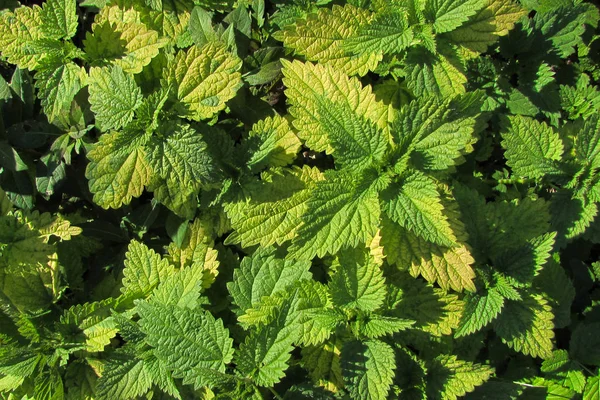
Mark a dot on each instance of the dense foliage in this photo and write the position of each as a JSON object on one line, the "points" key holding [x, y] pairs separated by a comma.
{"points": [[296, 199]]}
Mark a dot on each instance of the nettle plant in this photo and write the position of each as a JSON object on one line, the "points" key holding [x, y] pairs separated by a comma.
{"points": [[299, 199]]}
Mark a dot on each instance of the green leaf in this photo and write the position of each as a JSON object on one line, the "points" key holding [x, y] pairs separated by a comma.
{"points": [[532, 147], [204, 79], [124, 378], [144, 270], [201, 27], [310, 88], [448, 15], [521, 265], [181, 289], [5, 204], [559, 359], [264, 274], [322, 36], [179, 154], [387, 33], [434, 310], [450, 378], [357, 282], [57, 87], [415, 204], [480, 310], [378, 325], [10, 158], [587, 142], [343, 211], [118, 169], [263, 356], [583, 346], [357, 142], [183, 201], [560, 296], [527, 326], [563, 27], [436, 134], [191, 343], [368, 369], [592, 388], [59, 19], [114, 97], [272, 212]]}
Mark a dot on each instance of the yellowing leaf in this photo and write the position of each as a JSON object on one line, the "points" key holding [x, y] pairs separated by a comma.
{"points": [[130, 45], [273, 211], [19, 31], [278, 145], [450, 267], [307, 87], [205, 78], [321, 38], [117, 171], [485, 28]]}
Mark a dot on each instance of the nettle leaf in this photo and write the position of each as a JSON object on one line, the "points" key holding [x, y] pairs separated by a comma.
{"points": [[441, 75], [264, 274], [263, 356], [450, 378], [204, 79], [129, 45], [118, 168], [179, 153], [322, 36], [358, 143], [59, 19], [532, 147], [527, 326], [278, 145], [323, 364], [357, 281], [436, 134], [343, 211], [450, 267], [592, 388], [480, 310], [368, 368], [448, 15], [587, 142], [386, 33], [124, 377], [379, 325], [183, 288], [310, 88], [114, 97], [20, 30], [272, 212], [191, 343], [484, 28], [144, 270], [414, 203], [434, 310], [58, 86]]}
